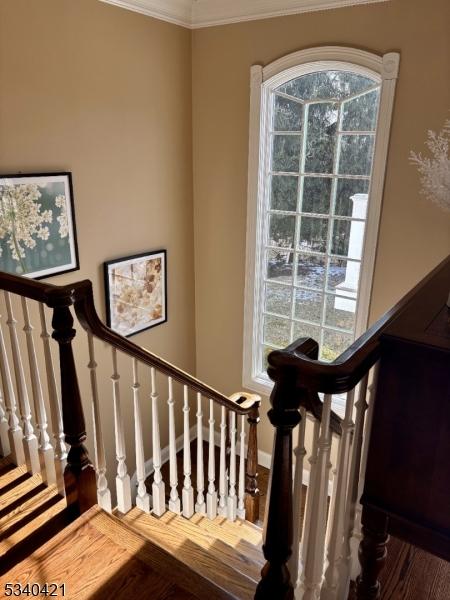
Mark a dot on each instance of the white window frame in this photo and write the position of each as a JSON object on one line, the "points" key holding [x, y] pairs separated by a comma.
{"points": [[263, 80]]}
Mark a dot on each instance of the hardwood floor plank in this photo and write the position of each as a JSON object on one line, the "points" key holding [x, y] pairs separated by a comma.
{"points": [[40, 494], [34, 540], [179, 594], [232, 533], [25, 524], [159, 559], [228, 554], [203, 563], [9, 477], [413, 574], [92, 565], [20, 499], [5, 461]]}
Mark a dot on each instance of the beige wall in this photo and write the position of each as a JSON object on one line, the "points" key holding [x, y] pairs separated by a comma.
{"points": [[414, 235], [106, 94]]}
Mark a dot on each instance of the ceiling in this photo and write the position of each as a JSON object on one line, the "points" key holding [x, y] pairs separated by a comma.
{"points": [[206, 13]]}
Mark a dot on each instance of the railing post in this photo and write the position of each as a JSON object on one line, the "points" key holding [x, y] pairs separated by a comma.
{"points": [[79, 474], [372, 553], [251, 475], [278, 532]]}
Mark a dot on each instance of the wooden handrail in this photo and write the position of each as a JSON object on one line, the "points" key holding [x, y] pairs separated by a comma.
{"points": [[347, 370], [79, 475], [299, 377], [89, 319], [81, 296], [309, 399]]}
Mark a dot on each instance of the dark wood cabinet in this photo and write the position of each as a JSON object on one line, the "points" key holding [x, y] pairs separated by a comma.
{"points": [[407, 481]]}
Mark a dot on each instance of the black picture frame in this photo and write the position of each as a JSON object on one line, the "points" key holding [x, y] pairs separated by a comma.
{"points": [[136, 292], [47, 210]]}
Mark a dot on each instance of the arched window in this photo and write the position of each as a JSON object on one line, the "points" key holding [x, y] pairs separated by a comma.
{"points": [[319, 129]]}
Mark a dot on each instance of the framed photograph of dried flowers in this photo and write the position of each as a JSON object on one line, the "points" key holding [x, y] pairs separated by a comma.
{"points": [[136, 292], [37, 225]]}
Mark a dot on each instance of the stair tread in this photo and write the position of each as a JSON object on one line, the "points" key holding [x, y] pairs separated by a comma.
{"points": [[18, 488], [6, 478], [185, 549], [25, 519], [226, 553], [5, 461], [231, 532], [98, 556], [23, 499]]}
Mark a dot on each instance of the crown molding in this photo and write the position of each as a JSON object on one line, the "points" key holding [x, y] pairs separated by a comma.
{"points": [[178, 12], [206, 13], [195, 14]]}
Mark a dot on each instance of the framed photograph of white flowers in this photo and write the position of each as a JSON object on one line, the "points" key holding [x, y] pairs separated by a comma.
{"points": [[136, 292], [37, 225]]}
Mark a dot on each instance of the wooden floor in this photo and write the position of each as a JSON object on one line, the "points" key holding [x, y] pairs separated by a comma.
{"points": [[97, 558], [102, 556], [413, 574], [409, 574], [30, 513], [223, 558]]}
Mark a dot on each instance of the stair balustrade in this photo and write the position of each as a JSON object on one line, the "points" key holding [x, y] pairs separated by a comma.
{"points": [[313, 514], [311, 546], [45, 427]]}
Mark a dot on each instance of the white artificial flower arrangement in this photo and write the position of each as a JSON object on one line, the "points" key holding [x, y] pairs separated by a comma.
{"points": [[435, 171]]}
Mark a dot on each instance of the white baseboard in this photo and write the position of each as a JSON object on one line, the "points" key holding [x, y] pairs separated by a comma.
{"points": [[264, 458]]}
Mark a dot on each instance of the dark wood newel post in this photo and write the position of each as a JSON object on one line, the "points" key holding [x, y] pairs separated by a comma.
{"points": [[284, 416], [372, 553], [79, 474], [251, 474]]}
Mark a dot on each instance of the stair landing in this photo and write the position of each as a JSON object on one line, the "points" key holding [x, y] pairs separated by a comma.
{"points": [[99, 558], [102, 556]]}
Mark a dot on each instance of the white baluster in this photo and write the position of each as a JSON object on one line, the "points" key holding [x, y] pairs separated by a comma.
{"points": [[309, 505], [30, 441], [352, 493], [211, 496], [232, 497], [200, 505], [315, 551], [142, 497], [158, 487], [300, 453], [222, 466], [5, 448], [188, 492], [15, 434], [357, 533], [45, 449], [241, 488], [337, 511], [60, 451], [103, 493], [123, 486], [174, 500]]}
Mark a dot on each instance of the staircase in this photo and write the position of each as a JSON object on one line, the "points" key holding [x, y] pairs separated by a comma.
{"points": [[221, 556], [172, 533], [30, 512], [191, 559]]}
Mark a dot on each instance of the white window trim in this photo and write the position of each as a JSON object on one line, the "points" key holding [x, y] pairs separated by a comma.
{"points": [[383, 69]]}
